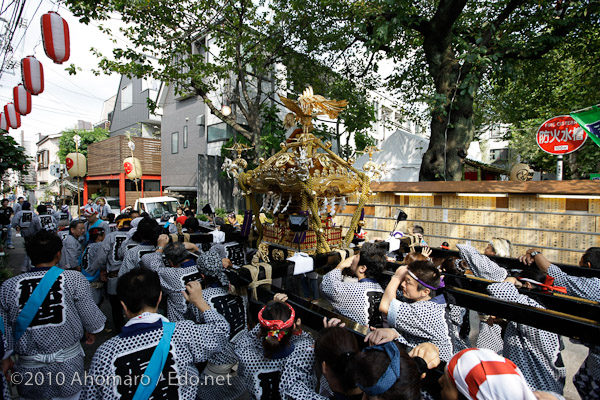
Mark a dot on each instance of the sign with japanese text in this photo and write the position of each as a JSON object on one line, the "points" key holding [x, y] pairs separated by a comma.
{"points": [[589, 120], [560, 135]]}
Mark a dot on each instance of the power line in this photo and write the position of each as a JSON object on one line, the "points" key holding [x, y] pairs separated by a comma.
{"points": [[49, 109], [13, 25], [7, 7], [89, 94], [26, 28]]}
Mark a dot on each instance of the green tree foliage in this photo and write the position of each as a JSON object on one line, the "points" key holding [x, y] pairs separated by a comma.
{"points": [[240, 52], [12, 156], [445, 52], [66, 144], [272, 131], [563, 80]]}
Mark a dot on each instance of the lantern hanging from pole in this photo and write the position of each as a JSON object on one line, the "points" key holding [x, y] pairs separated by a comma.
{"points": [[33, 75], [13, 118], [133, 168], [55, 33], [3, 123], [22, 99], [76, 164]]}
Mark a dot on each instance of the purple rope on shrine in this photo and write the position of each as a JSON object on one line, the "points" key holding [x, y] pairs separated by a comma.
{"points": [[300, 236], [247, 224]]}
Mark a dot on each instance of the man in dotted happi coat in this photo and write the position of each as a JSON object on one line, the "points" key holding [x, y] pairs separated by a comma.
{"points": [[358, 300], [129, 355], [49, 346]]}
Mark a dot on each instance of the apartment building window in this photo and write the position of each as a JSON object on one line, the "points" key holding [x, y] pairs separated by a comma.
{"points": [[219, 132], [42, 159], [174, 142], [499, 155], [185, 137], [151, 186], [130, 186], [127, 97]]}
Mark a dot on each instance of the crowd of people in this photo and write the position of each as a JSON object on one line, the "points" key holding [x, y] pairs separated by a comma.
{"points": [[181, 330]]}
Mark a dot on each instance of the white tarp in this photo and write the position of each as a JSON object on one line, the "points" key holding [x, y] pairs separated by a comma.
{"points": [[402, 152]]}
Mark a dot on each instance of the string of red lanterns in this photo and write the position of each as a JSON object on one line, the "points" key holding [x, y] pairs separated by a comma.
{"points": [[56, 40]]}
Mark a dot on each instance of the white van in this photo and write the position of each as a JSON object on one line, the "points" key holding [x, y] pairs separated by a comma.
{"points": [[156, 207]]}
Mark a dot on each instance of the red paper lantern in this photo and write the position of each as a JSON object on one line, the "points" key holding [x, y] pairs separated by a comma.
{"points": [[13, 118], [55, 33], [32, 73], [3, 123], [22, 99]]}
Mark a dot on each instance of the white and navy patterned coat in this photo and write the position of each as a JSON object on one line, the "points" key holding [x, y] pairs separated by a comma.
{"points": [[46, 222], [71, 251], [234, 309], [65, 314], [535, 351], [128, 354], [126, 245], [455, 317], [587, 379], [133, 256], [422, 321], [490, 336], [358, 301], [288, 375], [108, 255], [481, 266]]}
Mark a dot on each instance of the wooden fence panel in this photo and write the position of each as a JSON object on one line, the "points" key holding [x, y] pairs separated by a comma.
{"points": [[106, 157]]}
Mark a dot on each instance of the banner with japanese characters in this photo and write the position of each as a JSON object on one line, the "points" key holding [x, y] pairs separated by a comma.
{"points": [[589, 120]]}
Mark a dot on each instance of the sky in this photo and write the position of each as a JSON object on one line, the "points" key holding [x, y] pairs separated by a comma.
{"points": [[66, 98]]}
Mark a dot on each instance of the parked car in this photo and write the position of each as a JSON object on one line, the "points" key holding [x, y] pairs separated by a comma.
{"points": [[156, 207], [114, 204]]}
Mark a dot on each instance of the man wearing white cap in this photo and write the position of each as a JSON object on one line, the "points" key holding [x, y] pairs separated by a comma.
{"points": [[91, 215]]}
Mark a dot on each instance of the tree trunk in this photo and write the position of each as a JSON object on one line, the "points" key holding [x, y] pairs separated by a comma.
{"points": [[451, 118], [449, 142]]}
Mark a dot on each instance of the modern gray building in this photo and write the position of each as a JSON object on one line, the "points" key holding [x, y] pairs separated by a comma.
{"points": [[191, 135], [131, 112]]}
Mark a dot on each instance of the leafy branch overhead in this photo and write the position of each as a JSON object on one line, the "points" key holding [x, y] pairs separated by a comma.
{"points": [[12, 156], [233, 52], [66, 144], [448, 53], [450, 57]]}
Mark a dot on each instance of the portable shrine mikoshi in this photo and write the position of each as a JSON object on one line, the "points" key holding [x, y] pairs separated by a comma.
{"points": [[304, 178]]}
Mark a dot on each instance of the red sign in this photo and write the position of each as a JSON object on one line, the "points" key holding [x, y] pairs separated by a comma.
{"points": [[560, 135]]}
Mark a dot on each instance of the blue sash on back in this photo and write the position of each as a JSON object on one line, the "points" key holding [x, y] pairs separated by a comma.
{"points": [[34, 302], [2, 325], [157, 363], [88, 276], [87, 233]]}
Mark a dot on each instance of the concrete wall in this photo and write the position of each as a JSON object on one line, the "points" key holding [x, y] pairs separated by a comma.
{"points": [[132, 117], [180, 169]]}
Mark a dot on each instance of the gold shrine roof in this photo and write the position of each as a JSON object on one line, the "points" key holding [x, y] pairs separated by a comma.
{"points": [[305, 160]]}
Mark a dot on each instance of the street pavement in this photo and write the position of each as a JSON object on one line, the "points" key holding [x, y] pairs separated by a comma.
{"points": [[573, 354]]}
